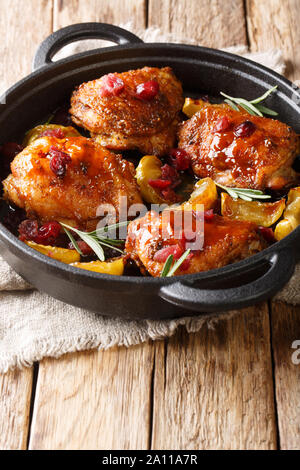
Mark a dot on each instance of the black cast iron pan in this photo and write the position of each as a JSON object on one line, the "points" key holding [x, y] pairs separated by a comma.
{"points": [[202, 71]]}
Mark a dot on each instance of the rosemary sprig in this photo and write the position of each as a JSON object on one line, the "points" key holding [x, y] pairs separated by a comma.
{"points": [[94, 240], [169, 271], [89, 240], [244, 193], [167, 266], [108, 228], [253, 107], [73, 241]]}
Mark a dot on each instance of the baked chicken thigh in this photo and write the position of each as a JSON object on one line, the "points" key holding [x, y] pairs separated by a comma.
{"points": [[237, 149], [67, 179], [153, 238], [138, 109]]}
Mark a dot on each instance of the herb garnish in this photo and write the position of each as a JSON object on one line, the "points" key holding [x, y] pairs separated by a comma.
{"points": [[72, 239], [167, 270], [244, 193], [252, 107], [94, 239]]}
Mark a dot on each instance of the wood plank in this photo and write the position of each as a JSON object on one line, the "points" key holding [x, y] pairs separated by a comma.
{"points": [[68, 12], [275, 24], [21, 32], [286, 347], [15, 394], [213, 389], [94, 400], [209, 23]]}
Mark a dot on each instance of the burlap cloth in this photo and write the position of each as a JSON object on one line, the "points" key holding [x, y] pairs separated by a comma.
{"points": [[34, 325]]}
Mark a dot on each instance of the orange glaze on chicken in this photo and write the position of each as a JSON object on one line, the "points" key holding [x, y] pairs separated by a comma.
{"points": [[92, 176], [124, 122], [258, 161], [225, 241]]}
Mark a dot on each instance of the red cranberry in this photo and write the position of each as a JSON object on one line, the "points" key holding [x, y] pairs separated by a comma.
{"points": [[147, 91], [209, 215], [159, 183], [222, 124], [169, 179], [162, 255], [169, 173], [59, 161], [179, 159], [111, 85], [28, 230], [48, 233], [267, 233], [245, 129], [85, 249], [169, 195], [58, 133], [187, 236]]}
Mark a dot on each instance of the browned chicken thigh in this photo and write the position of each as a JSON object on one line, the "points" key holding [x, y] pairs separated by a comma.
{"points": [[138, 109], [153, 238], [237, 149], [67, 179]]}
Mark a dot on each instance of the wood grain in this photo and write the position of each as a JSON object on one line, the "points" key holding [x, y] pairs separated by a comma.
{"points": [[213, 23], [21, 32], [113, 11], [286, 350], [95, 400], [15, 393], [23, 24], [275, 23], [213, 389]]}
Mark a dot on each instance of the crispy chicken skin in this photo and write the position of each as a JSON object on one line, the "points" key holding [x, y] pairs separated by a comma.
{"points": [[261, 160], [93, 176], [225, 241], [125, 122]]}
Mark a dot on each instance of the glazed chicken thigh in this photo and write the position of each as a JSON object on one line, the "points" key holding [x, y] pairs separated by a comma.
{"points": [[224, 241], [138, 109], [67, 179], [237, 149]]}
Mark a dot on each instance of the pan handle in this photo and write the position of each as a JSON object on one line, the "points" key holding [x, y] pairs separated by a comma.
{"points": [[53, 43], [184, 294]]}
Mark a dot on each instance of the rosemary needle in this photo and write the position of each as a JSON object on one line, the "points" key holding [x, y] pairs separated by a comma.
{"points": [[167, 270], [253, 107], [244, 193]]}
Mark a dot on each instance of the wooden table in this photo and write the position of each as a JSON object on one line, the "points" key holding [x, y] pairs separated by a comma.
{"points": [[233, 387]]}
